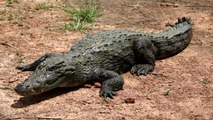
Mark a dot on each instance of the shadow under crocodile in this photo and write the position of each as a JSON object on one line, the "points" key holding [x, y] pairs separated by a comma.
{"points": [[30, 100]]}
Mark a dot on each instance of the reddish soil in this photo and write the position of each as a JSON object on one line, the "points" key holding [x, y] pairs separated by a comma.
{"points": [[188, 76]]}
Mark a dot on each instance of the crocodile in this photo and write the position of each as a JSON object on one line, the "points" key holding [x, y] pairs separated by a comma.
{"points": [[103, 57]]}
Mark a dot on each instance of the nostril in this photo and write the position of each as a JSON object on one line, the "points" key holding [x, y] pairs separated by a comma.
{"points": [[24, 85], [27, 85], [23, 89]]}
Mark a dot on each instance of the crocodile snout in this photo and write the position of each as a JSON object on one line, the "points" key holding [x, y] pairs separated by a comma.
{"points": [[23, 88]]}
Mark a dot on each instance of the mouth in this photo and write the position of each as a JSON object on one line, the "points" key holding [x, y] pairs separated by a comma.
{"points": [[33, 88], [26, 90]]}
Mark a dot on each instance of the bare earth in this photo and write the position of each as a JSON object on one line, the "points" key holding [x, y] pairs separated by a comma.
{"points": [[188, 75]]}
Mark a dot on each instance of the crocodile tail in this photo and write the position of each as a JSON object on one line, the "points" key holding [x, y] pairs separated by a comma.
{"points": [[174, 40]]}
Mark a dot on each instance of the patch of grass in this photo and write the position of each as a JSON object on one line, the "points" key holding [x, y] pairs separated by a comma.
{"points": [[20, 56], [78, 25], [18, 52], [205, 81], [166, 91], [87, 14], [148, 93], [65, 26], [74, 25], [22, 18], [10, 2], [157, 74], [3, 15], [83, 16], [44, 6], [107, 100], [10, 17], [7, 14]]}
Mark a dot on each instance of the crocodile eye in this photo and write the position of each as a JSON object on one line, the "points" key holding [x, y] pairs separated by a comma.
{"points": [[57, 66]]}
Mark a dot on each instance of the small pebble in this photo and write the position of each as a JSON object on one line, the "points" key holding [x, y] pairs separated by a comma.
{"points": [[97, 85], [129, 100]]}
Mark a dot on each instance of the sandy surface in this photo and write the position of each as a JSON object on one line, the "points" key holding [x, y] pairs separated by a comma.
{"points": [[188, 75]]}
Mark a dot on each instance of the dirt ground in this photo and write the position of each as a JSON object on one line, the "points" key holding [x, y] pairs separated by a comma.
{"points": [[26, 34]]}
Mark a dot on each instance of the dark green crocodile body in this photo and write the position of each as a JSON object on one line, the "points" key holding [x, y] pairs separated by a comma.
{"points": [[103, 56]]}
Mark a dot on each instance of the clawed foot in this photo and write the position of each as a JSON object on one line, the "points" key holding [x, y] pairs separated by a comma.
{"points": [[142, 69], [107, 93]]}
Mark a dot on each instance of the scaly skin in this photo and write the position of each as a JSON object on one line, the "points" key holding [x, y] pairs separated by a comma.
{"points": [[103, 56]]}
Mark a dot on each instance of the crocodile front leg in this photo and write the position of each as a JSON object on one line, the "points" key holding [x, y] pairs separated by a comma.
{"points": [[145, 57], [110, 80], [32, 66]]}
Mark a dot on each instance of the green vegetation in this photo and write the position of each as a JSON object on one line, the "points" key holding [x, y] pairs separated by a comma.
{"points": [[166, 91], [5, 15], [44, 6], [205, 81], [83, 16], [148, 93], [20, 57], [10, 17], [107, 100], [157, 74], [74, 25], [10, 2], [2, 15]]}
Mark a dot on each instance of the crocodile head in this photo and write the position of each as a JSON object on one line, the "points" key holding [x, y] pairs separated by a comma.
{"points": [[49, 74]]}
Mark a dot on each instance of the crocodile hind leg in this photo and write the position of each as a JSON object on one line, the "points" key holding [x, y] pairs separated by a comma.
{"points": [[110, 82], [32, 66], [145, 57]]}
